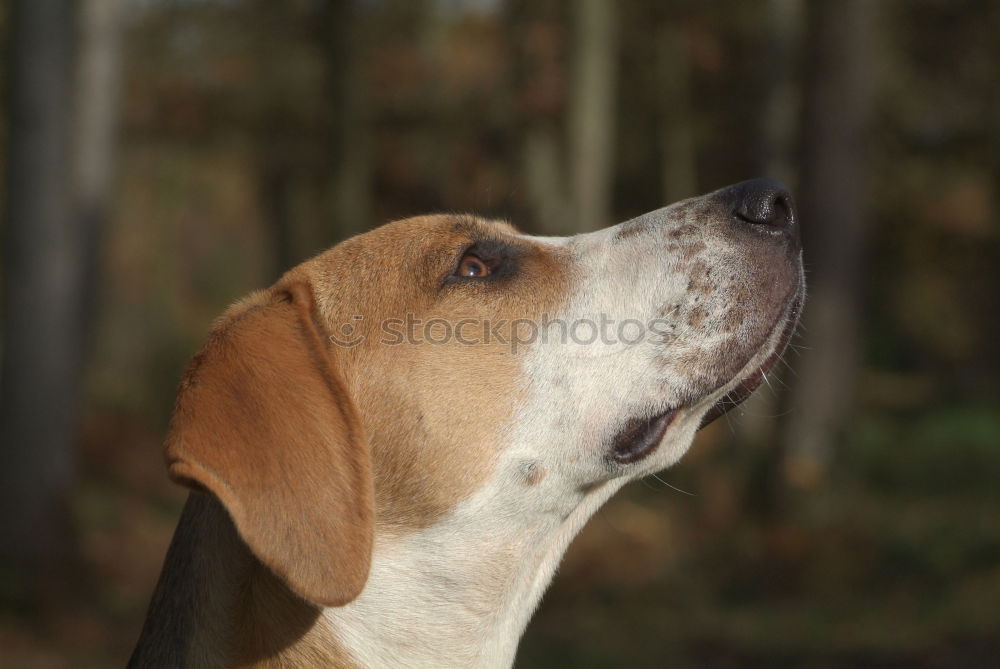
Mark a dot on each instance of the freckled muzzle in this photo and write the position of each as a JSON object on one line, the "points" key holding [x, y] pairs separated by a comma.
{"points": [[763, 217], [738, 253]]}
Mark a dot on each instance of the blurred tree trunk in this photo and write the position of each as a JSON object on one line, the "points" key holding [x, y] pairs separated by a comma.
{"points": [[592, 112], [546, 182], [274, 184], [95, 123], [274, 139], [539, 93], [779, 130], [842, 41], [568, 175], [43, 268], [757, 426], [351, 135], [329, 159], [680, 158]]}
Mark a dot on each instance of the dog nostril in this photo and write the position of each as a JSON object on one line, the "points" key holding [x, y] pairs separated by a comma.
{"points": [[774, 211], [765, 203]]}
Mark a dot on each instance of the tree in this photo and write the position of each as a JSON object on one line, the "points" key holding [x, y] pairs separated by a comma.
{"points": [[680, 178], [59, 172], [757, 430], [350, 120], [538, 88], [568, 177], [837, 108], [94, 130], [43, 269], [592, 112]]}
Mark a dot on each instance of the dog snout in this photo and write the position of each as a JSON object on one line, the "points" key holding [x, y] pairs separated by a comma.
{"points": [[763, 205]]}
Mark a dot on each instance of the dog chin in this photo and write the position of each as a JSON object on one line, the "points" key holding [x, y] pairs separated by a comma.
{"points": [[641, 436], [749, 382]]}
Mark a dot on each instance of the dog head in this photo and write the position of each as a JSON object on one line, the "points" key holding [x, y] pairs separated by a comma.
{"points": [[447, 367]]}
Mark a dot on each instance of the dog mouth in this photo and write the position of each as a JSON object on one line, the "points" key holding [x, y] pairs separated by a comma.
{"points": [[639, 437], [748, 384]]}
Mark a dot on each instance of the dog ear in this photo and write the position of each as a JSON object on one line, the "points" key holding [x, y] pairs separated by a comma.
{"points": [[263, 422]]}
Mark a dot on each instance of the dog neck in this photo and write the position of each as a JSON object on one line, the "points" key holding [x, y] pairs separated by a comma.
{"points": [[461, 592], [437, 597]]}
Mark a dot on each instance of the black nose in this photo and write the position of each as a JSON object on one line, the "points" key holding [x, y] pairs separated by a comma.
{"points": [[765, 205]]}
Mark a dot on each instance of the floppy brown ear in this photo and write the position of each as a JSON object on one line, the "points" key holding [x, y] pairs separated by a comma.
{"points": [[263, 422]]}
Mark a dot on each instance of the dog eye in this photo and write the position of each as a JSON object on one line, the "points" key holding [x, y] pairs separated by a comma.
{"points": [[472, 266]]}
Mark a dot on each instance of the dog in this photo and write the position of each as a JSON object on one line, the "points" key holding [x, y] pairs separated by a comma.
{"points": [[390, 449]]}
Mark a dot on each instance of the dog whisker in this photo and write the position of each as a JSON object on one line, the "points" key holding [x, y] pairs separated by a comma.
{"points": [[673, 487]]}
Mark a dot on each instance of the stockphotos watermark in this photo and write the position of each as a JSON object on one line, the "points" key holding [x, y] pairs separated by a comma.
{"points": [[515, 333]]}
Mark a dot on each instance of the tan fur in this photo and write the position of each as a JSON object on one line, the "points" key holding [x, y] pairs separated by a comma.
{"points": [[433, 413]]}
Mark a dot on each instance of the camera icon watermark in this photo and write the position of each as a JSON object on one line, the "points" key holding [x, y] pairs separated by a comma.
{"points": [[347, 335]]}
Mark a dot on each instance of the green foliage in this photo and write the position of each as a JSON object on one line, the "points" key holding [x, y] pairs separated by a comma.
{"points": [[949, 450]]}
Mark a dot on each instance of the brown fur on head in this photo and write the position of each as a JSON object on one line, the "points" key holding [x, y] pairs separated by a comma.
{"points": [[434, 413]]}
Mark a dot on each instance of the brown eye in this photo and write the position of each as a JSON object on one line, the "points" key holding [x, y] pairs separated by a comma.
{"points": [[472, 267]]}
